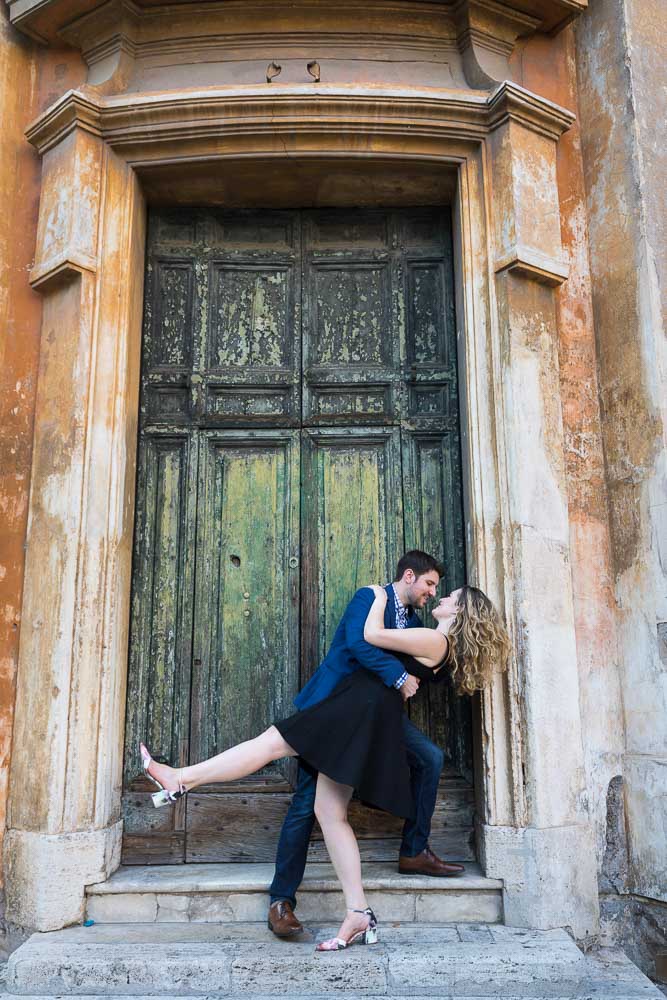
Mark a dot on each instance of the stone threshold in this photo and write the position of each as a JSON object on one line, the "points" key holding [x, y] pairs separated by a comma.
{"points": [[257, 878], [239, 892]]}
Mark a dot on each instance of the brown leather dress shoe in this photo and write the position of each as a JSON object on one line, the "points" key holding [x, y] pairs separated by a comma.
{"points": [[428, 863], [282, 921]]}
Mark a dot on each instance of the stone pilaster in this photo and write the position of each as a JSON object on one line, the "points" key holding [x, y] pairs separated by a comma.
{"points": [[547, 856], [66, 764]]}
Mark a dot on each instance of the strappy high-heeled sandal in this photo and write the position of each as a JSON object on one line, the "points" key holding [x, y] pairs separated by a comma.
{"points": [[367, 936], [164, 797]]}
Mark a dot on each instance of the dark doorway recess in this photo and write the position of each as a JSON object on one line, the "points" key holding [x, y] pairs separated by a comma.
{"points": [[299, 429]]}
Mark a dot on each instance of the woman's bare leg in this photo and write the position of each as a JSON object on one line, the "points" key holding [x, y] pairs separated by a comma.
{"points": [[237, 762], [331, 802]]}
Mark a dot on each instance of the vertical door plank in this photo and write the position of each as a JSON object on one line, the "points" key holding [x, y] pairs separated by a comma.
{"points": [[161, 629], [431, 444], [351, 524], [245, 658], [433, 523]]}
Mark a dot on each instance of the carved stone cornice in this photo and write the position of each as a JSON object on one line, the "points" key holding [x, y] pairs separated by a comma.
{"points": [[485, 29], [512, 102], [487, 32], [141, 127]]}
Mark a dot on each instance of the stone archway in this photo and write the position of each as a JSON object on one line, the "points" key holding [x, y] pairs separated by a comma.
{"points": [[66, 766]]}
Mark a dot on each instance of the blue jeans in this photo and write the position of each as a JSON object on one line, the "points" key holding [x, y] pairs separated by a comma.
{"points": [[425, 760]]}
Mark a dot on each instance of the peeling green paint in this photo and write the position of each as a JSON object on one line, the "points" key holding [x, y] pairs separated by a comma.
{"points": [[299, 429]]}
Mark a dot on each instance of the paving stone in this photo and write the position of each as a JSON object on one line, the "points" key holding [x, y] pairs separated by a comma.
{"points": [[471, 969], [475, 934], [330, 906], [362, 970], [171, 907], [118, 969], [208, 907], [530, 938], [207, 961], [131, 907], [456, 907]]}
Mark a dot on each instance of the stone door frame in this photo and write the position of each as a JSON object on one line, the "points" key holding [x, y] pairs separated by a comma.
{"points": [[64, 808]]}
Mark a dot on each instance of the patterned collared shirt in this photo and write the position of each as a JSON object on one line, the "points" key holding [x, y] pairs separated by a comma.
{"points": [[401, 611], [401, 622]]}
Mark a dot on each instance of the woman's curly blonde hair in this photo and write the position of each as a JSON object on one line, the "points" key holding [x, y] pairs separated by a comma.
{"points": [[478, 642]]}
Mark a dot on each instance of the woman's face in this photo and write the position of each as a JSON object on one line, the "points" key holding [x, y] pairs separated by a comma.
{"points": [[447, 606]]}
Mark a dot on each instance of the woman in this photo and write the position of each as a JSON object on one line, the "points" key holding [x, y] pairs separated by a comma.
{"points": [[353, 738]]}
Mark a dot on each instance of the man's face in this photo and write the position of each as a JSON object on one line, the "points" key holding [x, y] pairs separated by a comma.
{"points": [[420, 588]]}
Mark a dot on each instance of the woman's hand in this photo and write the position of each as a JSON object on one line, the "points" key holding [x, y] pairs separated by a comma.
{"points": [[375, 620]]}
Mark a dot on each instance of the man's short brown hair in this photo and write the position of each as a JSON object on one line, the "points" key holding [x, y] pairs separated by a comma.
{"points": [[419, 562]]}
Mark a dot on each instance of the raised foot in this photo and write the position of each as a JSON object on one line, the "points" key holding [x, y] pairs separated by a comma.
{"points": [[164, 777]]}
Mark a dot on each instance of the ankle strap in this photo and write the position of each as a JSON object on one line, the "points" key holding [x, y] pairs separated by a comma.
{"points": [[367, 910]]}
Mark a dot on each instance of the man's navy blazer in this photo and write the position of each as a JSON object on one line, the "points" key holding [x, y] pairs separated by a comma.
{"points": [[349, 650]]}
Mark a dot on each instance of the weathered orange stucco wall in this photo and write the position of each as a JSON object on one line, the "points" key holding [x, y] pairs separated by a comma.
{"points": [[548, 67], [30, 79], [622, 72], [610, 68]]}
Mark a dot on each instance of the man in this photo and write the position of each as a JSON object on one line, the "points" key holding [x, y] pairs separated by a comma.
{"points": [[416, 579]]}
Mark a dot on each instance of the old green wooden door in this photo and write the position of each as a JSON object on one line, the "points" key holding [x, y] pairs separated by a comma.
{"points": [[299, 429]]}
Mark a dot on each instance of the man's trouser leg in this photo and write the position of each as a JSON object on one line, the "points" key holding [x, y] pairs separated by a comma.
{"points": [[426, 761], [295, 837]]}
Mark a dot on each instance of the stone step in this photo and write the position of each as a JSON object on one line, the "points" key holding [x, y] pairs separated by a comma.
{"points": [[244, 960], [238, 892]]}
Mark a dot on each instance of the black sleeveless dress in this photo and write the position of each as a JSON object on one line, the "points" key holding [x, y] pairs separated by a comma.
{"points": [[355, 737]]}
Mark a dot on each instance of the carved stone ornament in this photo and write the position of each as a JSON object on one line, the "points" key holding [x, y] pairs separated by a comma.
{"points": [[461, 43]]}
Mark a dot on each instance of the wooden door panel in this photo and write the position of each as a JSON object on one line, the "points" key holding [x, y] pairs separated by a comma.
{"points": [[245, 657], [169, 345], [351, 525], [350, 302], [251, 362], [161, 625], [429, 337], [339, 231], [223, 302], [249, 316], [350, 343], [432, 498], [434, 522], [253, 358], [219, 825], [158, 691], [430, 329], [168, 340]]}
